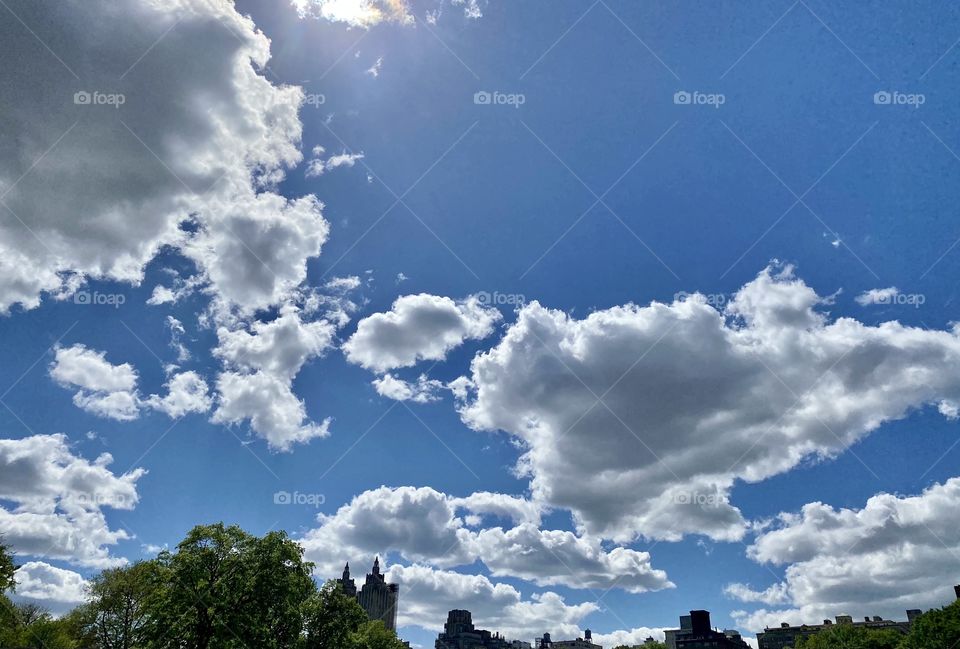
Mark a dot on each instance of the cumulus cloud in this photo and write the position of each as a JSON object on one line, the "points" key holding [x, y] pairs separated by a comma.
{"points": [[136, 139], [58, 501], [431, 593], [418, 327], [887, 557], [110, 391], [44, 583], [317, 166], [775, 594], [877, 296], [424, 390], [423, 525], [356, 13], [262, 361], [630, 637], [665, 406], [187, 392], [105, 389], [556, 557]]}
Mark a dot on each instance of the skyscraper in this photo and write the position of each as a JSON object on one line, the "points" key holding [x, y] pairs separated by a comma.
{"points": [[377, 597]]}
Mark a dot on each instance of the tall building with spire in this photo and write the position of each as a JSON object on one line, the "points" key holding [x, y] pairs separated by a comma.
{"points": [[377, 597]]}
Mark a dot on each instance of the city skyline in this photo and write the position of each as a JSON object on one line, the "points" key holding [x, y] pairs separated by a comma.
{"points": [[574, 314]]}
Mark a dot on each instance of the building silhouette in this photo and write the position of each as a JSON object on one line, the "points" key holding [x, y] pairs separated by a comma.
{"points": [[586, 642], [695, 632], [377, 597], [786, 635], [459, 633]]}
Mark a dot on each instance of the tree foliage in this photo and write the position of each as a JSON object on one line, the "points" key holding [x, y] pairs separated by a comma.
{"points": [[936, 628], [222, 588], [226, 589], [849, 636], [331, 617], [7, 568]]}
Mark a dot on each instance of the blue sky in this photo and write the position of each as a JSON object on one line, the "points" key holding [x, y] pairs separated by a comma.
{"points": [[816, 161]]}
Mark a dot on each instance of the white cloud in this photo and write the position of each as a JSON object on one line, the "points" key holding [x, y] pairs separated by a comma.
{"points": [[775, 594], [88, 369], [555, 558], [471, 8], [374, 70], [431, 593], [519, 510], [187, 392], [877, 296], [279, 347], [356, 13], [176, 331], [424, 526], [122, 406], [40, 581], [694, 399], [274, 411], [100, 189], [418, 327], [106, 390], [59, 498], [893, 554], [631, 637], [317, 166], [110, 391], [424, 390], [262, 362]]}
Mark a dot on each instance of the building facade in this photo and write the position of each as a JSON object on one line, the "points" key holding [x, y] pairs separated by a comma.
{"points": [[785, 636], [586, 642], [459, 633], [378, 598], [695, 632]]}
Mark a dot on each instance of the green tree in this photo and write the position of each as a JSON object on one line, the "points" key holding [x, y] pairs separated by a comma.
{"points": [[7, 569], [116, 613], [331, 617], [935, 629], [374, 635], [848, 636], [226, 589]]}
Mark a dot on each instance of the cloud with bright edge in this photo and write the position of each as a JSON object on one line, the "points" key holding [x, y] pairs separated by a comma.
{"points": [[261, 362], [418, 327], [59, 499], [206, 142], [666, 406], [356, 13], [317, 165], [424, 390], [110, 391], [44, 583], [893, 554], [425, 526], [495, 606]]}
